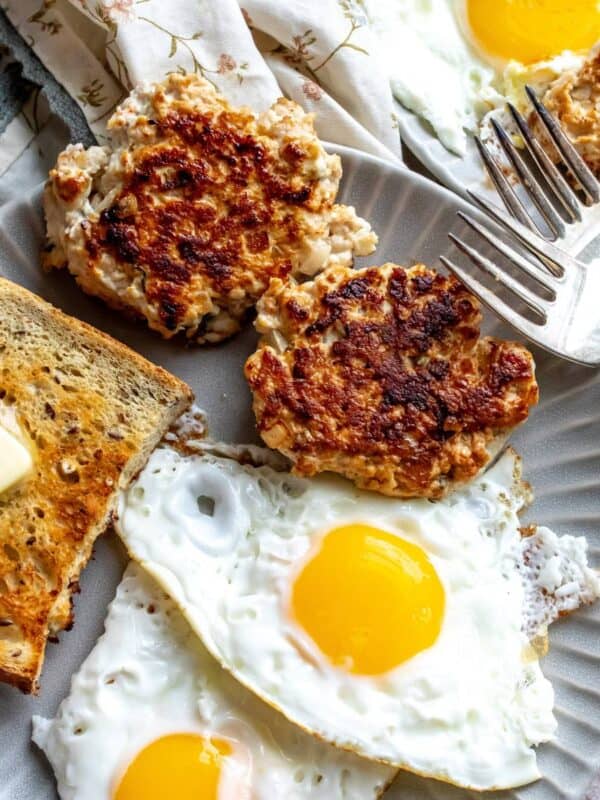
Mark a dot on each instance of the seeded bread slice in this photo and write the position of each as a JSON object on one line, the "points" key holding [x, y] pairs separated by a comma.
{"points": [[91, 411]]}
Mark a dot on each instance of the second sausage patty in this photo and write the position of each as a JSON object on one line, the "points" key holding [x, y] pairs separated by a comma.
{"points": [[380, 374]]}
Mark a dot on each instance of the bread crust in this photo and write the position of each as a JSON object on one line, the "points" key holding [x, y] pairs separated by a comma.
{"points": [[379, 374], [91, 410]]}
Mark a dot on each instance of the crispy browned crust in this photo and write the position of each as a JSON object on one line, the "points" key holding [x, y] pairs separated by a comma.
{"points": [[92, 411], [165, 222], [574, 98], [379, 374], [206, 203]]}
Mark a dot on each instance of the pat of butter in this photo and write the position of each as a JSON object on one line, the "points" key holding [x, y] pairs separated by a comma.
{"points": [[15, 460]]}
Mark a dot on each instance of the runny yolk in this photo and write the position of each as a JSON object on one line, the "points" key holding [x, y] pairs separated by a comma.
{"points": [[368, 599], [185, 766], [533, 30]]}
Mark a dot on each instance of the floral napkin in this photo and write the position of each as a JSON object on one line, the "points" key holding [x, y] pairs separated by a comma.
{"points": [[317, 52]]}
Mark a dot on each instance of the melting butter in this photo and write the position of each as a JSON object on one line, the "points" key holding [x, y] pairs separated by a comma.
{"points": [[15, 460]]}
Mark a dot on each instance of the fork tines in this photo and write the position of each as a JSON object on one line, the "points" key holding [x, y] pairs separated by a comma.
{"points": [[568, 153], [553, 188], [551, 283], [538, 275]]}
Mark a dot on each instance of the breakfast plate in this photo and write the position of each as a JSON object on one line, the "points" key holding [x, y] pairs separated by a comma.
{"points": [[560, 446]]}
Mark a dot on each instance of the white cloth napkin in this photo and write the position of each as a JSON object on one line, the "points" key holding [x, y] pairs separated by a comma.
{"points": [[317, 52]]}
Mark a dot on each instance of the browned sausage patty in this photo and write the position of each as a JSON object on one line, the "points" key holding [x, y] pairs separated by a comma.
{"points": [[195, 205], [379, 374]]}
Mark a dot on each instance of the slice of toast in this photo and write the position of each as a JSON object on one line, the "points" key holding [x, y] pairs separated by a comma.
{"points": [[91, 411]]}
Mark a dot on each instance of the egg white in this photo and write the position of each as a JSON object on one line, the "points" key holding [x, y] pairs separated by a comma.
{"points": [[149, 676], [467, 710]]}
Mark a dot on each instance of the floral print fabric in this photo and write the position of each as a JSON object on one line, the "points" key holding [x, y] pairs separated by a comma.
{"points": [[318, 52]]}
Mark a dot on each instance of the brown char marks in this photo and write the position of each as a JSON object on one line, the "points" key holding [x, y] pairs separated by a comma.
{"points": [[201, 204], [389, 363]]}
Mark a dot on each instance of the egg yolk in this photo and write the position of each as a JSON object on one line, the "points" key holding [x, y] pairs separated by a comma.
{"points": [[533, 30], [183, 765], [368, 599]]}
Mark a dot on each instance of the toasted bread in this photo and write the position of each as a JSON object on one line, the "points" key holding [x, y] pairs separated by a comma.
{"points": [[92, 411]]}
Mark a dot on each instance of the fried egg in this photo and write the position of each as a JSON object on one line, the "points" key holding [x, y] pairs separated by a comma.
{"points": [[453, 61], [151, 715], [397, 629]]}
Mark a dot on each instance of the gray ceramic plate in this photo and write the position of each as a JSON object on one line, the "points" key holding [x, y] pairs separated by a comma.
{"points": [[560, 445]]}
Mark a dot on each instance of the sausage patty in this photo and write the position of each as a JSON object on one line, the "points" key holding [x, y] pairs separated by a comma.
{"points": [[380, 374], [193, 206]]}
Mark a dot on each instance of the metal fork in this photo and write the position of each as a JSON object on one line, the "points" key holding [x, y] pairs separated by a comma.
{"points": [[564, 297], [567, 218]]}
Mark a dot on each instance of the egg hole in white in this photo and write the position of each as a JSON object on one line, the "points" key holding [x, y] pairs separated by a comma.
{"points": [[207, 510], [206, 505]]}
